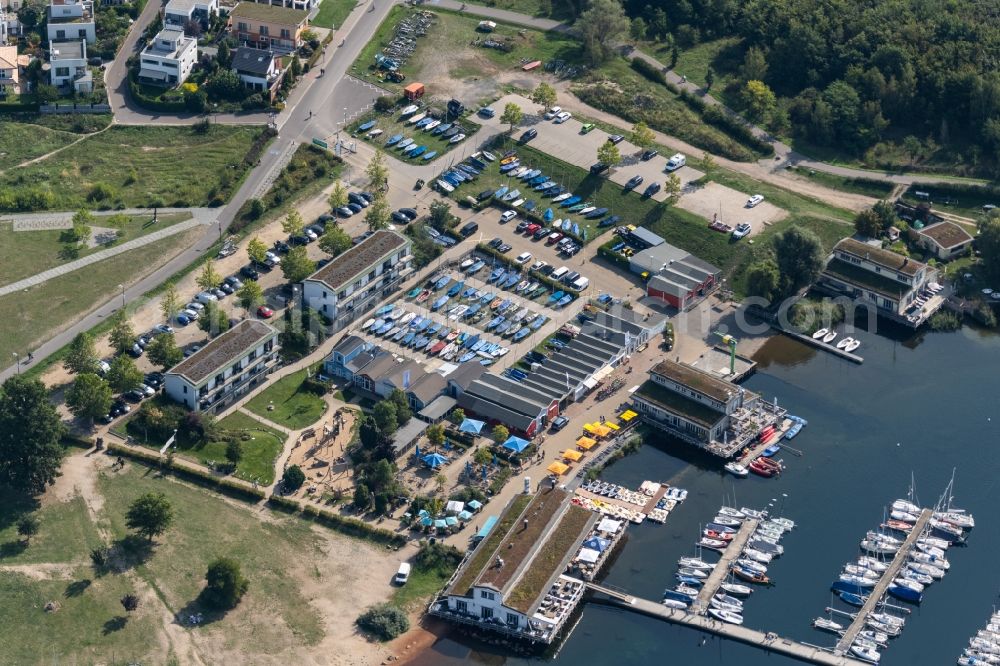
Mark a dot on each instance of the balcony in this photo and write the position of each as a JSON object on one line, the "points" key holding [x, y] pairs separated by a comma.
{"points": [[238, 384]]}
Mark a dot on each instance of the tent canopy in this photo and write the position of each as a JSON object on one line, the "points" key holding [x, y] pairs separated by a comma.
{"points": [[601, 430], [464, 515], [588, 555], [451, 520], [609, 526], [597, 543], [628, 415], [558, 468], [454, 506], [613, 426], [426, 521], [433, 460], [439, 523], [471, 425], [570, 454], [516, 444], [487, 526], [586, 442], [475, 505]]}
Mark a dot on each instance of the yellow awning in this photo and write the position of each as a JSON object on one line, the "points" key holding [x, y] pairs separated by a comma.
{"points": [[589, 427], [613, 426], [601, 430], [558, 468], [586, 442], [570, 454], [628, 415]]}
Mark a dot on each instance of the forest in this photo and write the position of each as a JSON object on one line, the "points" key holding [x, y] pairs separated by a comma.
{"points": [[920, 74]]}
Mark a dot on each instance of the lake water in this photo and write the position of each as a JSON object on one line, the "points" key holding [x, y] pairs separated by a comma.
{"points": [[920, 403]]}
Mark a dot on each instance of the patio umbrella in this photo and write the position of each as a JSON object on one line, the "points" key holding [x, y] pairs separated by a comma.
{"points": [[558, 468], [434, 460], [451, 521], [416, 452], [426, 521], [586, 442], [471, 425], [570, 454], [423, 512], [464, 516], [484, 473], [475, 505], [440, 524], [516, 444]]}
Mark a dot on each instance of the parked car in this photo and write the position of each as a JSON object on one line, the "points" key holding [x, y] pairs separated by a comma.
{"points": [[136, 351], [496, 242], [206, 297], [344, 211], [143, 340], [191, 350], [468, 229], [553, 238], [399, 217], [271, 259], [119, 408], [553, 112], [324, 218], [194, 305], [135, 395], [504, 248], [367, 196], [309, 233], [586, 128], [265, 312], [487, 112], [547, 269], [742, 229], [633, 182], [507, 216], [532, 228], [356, 198], [540, 233], [402, 574], [154, 379], [616, 138], [219, 293], [183, 319], [190, 314], [147, 390], [558, 423], [409, 212], [755, 200], [233, 282], [651, 190], [281, 247], [317, 229], [250, 273], [528, 135], [226, 288], [162, 328], [521, 226], [563, 117], [676, 161], [570, 250], [598, 168], [355, 208], [523, 258], [538, 265], [649, 154]]}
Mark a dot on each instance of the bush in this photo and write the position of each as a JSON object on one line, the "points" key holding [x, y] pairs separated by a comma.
{"points": [[293, 478], [285, 504], [944, 320], [649, 71], [384, 103], [384, 622], [354, 527], [226, 584]]}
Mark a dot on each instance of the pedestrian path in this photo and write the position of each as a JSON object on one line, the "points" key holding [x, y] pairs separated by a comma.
{"points": [[45, 276], [49, 220]]}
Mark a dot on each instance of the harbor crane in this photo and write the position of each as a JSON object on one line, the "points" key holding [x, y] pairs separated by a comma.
{"points": [[731, 342]]}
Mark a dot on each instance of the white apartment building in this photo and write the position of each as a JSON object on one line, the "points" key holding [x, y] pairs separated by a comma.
{"points": [[71, 19], [168, 59]]}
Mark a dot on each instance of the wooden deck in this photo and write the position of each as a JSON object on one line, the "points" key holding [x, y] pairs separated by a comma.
{"points": [[844, 644], [721, 570]]}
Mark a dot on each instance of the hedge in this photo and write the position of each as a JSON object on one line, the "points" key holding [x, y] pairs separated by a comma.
{"points": [[734, 127], [649, 71], [12, 107], [614, 257], [150, 103], [208, 480], [285, 504], [535, 275], [353, 526]]}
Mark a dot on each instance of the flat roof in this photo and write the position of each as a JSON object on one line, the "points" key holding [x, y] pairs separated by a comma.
{"points": [[675, 402], [359, 259], [185, 5], [438, 408], [885, 258], [270, 13], [483, 555], [646, 236], [848, 272], [489, 410], [219, 353], [946, 234], [75, 50], [695, 379]]}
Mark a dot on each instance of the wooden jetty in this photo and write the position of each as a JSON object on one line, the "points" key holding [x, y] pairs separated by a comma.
{"points": [[898, 562], [721, 570], [766, 641], [819, 344]]}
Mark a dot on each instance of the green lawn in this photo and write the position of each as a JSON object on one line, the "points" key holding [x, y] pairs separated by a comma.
{"points": [[419, 588], [332, 13], [559, 11], [20, 142], [37, 313], [137, 166], [294, 407], [390, 124], [870, 188], [25, 253], [724, 56], [957, 199], [65, 532]]}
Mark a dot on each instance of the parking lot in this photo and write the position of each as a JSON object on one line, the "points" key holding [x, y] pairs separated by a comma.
{"points": [[730, 206]]}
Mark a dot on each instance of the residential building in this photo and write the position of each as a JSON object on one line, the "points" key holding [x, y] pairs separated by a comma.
{"points": [[264, 26], [359, 278], [675, 276], [875, 276], [259, 70], [340, 364], [9, 25], [305, 5], [945, 240], [226, 368], [10, 78], [504, 585], [168, 59], [701, 409], [71, 19], [177, 13], [69, 66]]}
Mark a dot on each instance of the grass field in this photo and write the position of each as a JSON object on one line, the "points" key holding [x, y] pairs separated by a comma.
{"points": [[332, 13], [552, 10], [294, 407], [65, 533], [136, 166], [20, 142], [37, 313], [25, 253], [870, 188], [724, 56]]}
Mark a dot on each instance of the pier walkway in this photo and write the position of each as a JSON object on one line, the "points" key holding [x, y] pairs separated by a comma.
{"points": [[721, 570], [845, 642], [766, 641]]}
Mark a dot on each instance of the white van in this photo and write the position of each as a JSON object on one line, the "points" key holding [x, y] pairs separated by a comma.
{"points": [[403, 574], [676, 162], [581, 283], [558, 273]]}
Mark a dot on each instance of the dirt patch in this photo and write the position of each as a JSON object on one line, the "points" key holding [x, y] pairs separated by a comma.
{"points": [[321, 457], [151, 149], [730, 207], [44, 571]]}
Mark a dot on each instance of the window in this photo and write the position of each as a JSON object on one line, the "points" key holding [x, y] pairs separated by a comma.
{"points": [[185, 389], [263, 30], [62, 71], [462, 607], [286, 33], [487, 613], [487, 595], [513, 620], [324, 294], [219, 378], [242, 27]]}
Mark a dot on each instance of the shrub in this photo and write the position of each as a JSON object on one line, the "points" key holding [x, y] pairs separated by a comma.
{"points": [[354, 527], [293, 478], [226, 584], [100, 192], [384, 103], [649, 71], [384, 622]]}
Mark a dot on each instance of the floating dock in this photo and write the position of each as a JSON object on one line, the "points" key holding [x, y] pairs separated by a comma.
{"points": [[766, 641], [845, 642], [721, 570], [819, 344]]}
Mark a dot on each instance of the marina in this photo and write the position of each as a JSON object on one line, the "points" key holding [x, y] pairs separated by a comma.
{"points": [[722, 568]]}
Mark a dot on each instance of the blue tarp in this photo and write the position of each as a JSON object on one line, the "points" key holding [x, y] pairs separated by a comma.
{"points": [[487, 526], [433, 460], [516, 444], [471, 425], [596, 543], [475, 505]]}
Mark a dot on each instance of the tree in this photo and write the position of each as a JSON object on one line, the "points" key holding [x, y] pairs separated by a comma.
{"points": [[988, 243], [799, 256], [642, 136], [672, 186], [257, 250], [754, 65], [867, 223], [250, 295], [209, 278], [122, 336], [402, 403], [338, 195], [82, 355], [124, 375], [482, 456], [334, 241], [89, 397], [292, 479], [760, 100], [544, 95], [763, 279], [118, 221], [707, 161], [377, 172], [384, 622], [500, 434], [196, 101], [164, 352], [224, 56], [435, 434], [913, 147], [378, 214], [130, 602], [638, 29], [385, 417], [225, 85], [150, 515], [609, 154], [362, 499], [886, 213], [27, 527], [30, 435], [709, 79], [675, 55], [440, 215], [602, 26], [512, 115], [213, 319], [442, 481], [83, 220], [234, 452], [170, 303], [457, 415], [225, 584], [296, 266], [293, 224]]}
